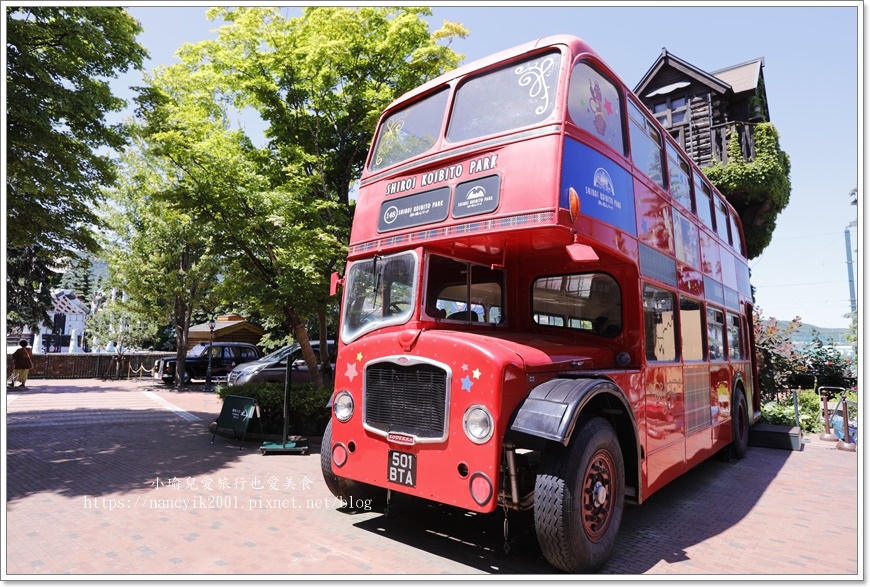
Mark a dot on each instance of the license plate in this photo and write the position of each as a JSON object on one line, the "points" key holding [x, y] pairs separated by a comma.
{"points": [[402, 468]]}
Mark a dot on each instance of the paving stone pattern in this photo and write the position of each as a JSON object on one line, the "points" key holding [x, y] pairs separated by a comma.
{"points": [[122, 478]]}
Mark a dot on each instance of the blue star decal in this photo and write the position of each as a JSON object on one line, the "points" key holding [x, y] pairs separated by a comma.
{"points": [[467, 383]]}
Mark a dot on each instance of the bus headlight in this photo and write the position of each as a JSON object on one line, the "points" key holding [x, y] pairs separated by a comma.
{"points": [[343, 406], [477, 424]]}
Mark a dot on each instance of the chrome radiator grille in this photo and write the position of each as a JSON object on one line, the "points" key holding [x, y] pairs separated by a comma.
{"points": [[407, 399]]}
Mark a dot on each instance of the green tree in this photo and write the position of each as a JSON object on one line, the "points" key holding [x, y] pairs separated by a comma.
{"points": [[158, 255], [283, 212], [58, 60], [79, 278], [759, 189]]}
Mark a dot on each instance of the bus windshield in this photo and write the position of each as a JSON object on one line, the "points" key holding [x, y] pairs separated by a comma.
{"points": [[380, 292]]}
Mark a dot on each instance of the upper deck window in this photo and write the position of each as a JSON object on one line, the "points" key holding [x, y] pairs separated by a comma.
{"points": [[735, 235], [518, 95], [410, 131], [722, 220], [646, 144], [704, 201], [593, 104], [678, 177]]}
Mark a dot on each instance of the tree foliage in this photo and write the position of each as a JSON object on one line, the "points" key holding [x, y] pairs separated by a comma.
{"points": [[281, 213], [57, 62], [759, 189], [165, 264]]}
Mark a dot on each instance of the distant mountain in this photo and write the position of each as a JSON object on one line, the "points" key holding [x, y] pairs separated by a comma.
{"points": [[804, 334]]}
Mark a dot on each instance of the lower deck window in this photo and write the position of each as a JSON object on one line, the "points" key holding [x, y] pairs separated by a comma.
{"points": [[591, 302]]}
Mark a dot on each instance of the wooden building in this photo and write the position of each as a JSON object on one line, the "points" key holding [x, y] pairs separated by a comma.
{"points": [[700, 108], [229, 328]]}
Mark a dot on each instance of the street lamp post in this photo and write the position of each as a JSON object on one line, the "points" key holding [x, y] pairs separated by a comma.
{"points": [[208, 384]]}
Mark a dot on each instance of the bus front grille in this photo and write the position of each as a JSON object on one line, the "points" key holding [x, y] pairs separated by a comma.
{"points": [[408, 400]]}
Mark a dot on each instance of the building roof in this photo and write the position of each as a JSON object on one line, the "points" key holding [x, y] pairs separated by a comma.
{"points": [[743, 77], [226, 325], [737, 78], [65, 301], [666, 59]]}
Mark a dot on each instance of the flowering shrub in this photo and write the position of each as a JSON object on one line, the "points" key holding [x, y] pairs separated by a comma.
{"points": [[778, 360]]}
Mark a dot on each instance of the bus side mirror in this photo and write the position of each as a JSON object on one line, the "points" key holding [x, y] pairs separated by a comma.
{"points": [[334, 282]]}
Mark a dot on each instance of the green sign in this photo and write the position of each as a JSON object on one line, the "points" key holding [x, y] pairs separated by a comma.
{"points": [[236, 414]]}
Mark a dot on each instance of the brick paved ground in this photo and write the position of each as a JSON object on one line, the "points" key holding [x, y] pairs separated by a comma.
{"points": [[87, 487]]}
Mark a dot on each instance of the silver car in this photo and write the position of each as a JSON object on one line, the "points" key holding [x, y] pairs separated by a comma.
{"points": [[273, 367]]}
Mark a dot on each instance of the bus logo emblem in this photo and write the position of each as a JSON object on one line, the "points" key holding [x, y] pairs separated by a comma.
{"points": [[603, 182], [400, 439], [475, 193], [390, 214]]}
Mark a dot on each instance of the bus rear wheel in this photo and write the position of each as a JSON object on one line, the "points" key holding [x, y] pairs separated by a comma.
{"points": [[579, 498], [349, 491], [739, 425]]}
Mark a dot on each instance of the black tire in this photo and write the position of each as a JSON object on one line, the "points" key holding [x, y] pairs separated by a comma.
{"points": [[168, 380], [579, 498], [186, 377], [739, 425], [349, 491]]}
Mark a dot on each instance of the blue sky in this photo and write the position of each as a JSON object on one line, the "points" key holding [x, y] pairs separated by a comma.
{"points": [[812, 57]]}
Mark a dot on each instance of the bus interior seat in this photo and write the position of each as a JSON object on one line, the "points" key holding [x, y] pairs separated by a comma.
{"points": [[466, 315]]}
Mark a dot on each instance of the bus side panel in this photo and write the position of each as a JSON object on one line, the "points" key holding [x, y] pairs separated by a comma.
{"points": [[665, 426], [523, 187], [721, 388]]}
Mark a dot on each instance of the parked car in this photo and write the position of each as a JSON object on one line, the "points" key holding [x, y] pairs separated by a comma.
{"points": [[273, 367], [224, 357]]}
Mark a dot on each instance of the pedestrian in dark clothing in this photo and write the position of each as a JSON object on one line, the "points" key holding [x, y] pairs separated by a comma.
{"points": [[22, 363]]}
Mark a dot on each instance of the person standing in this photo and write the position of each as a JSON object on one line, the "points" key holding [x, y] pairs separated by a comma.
{"points": [[22, 363]]}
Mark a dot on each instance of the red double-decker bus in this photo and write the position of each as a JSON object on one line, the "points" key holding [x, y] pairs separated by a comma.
{"points": [[546, 305]]}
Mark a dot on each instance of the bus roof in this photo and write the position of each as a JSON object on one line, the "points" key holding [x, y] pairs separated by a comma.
{"points": [[576, 44]]}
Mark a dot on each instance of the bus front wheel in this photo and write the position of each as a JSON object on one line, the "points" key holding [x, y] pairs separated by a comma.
{"points": [[579, 498], [349, 491]]}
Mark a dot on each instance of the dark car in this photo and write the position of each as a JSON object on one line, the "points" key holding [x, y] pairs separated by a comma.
{"points": [[224, 357], [273, 367]]}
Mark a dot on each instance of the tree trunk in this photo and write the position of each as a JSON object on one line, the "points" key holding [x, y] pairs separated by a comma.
{"points": [[298, 329], [325, 363]]}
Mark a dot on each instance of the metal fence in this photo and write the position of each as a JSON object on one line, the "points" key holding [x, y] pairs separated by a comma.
{"points": [[93, 365]]}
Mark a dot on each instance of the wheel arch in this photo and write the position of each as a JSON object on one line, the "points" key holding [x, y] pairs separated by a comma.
{"points": [[550, 413]]}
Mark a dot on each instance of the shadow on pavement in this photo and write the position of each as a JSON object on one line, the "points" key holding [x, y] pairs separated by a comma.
{"points": [[109, 450], [704, 502]]}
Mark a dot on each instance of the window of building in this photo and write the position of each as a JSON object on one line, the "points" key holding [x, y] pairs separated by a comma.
{"points": [[646, 144], [692, 329], [672, 111], [660, 328], [594, 105], [716, 334], [703, 201], [588, 301]]}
